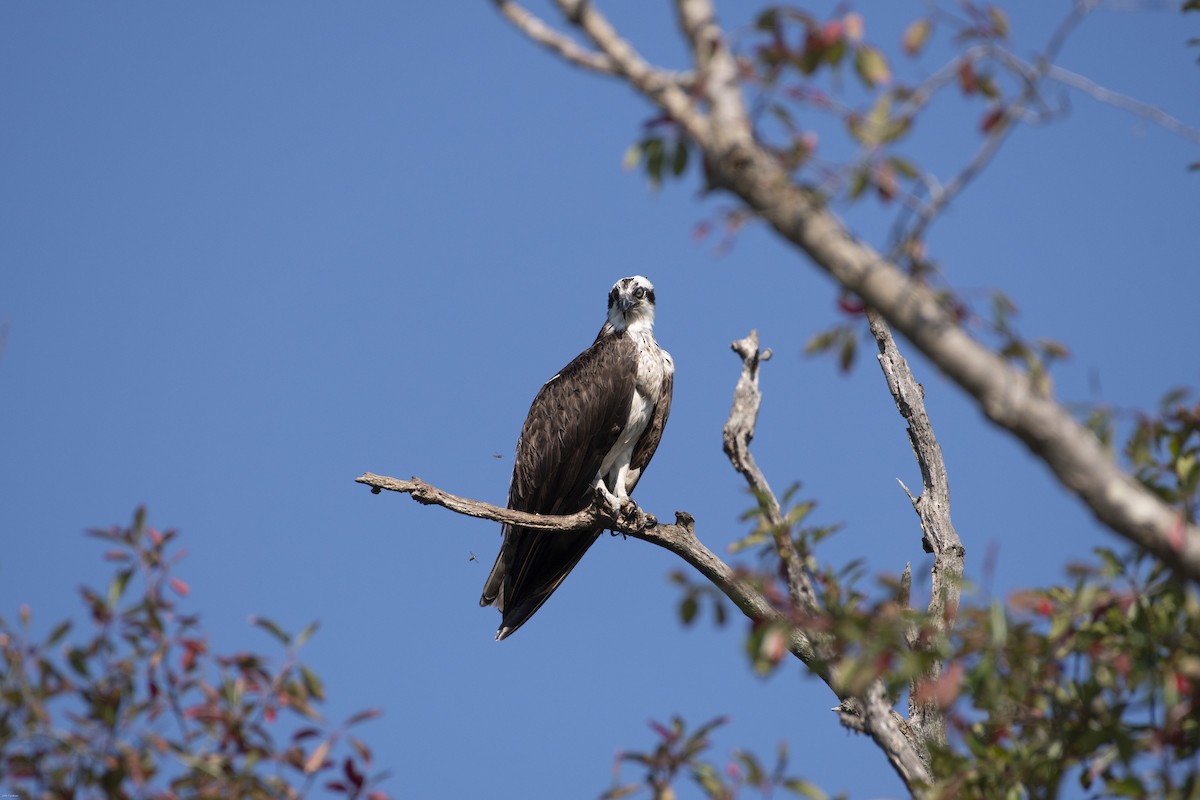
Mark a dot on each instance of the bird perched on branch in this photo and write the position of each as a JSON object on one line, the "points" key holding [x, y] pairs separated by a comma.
{"points": [[591, 430]]}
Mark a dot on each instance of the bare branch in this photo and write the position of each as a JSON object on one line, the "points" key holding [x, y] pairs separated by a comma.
{"points": [[679, 538], [1124, 102], [739, 430], [871, 714], [933, 509], [554, 41], [656, 85], [426, 494]]}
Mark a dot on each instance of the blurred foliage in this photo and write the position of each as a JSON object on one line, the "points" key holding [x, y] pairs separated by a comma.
{"points": [[137, 706], [1164, 451], [1095, 682], [682, 753]]}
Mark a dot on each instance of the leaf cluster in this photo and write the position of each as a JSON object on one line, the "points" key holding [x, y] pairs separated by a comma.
{"points": [[1097, 681], [1164, 451], [139, 706], [680, 753]]}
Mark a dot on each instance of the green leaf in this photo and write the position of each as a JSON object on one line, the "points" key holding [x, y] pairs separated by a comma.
{"points": [[754, 771], [77, 658], [312, 684], [632, 156], [871, 66], [803, 788], [679, 163], [653, 149], [859, 180], [688, 609], [271, 628], [847, 353], [56, 635], [905, 167], [999, 624], [117, 588], [307, 633]]}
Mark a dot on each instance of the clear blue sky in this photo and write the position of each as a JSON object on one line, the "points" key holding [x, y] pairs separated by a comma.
{"points": [[250, 251]]}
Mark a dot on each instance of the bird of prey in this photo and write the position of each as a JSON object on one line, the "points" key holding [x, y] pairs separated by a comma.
{"points": [[592, 429]]}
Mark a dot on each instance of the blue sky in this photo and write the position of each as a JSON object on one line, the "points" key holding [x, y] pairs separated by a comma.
{"points": [[250, 251]]}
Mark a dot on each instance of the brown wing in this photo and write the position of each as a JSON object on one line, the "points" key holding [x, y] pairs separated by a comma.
{"points": [[573, 422]]}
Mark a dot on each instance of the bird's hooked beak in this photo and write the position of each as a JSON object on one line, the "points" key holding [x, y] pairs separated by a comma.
{"points": [[624, 303]]}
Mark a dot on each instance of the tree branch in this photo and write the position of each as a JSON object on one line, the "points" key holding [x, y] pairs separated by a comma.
{"points": [[554, 41], [655, 84], [679, 538], [1006, 396], [871, 714], [933, 509], [716, 72], [738, 431]]}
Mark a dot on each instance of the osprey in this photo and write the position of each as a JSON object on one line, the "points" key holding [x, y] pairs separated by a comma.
{"points": [[592, 428]]}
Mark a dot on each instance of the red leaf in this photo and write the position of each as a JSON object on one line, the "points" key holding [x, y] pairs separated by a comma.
{"points": [[966, 77], [352, 773], [943, 690], [991, 120], [848, 304], [663, 731], [181, 588], [831, 32]]}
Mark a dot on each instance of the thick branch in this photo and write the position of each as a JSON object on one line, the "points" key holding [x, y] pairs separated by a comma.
{"points": [[1006, 396], [716, 71]]}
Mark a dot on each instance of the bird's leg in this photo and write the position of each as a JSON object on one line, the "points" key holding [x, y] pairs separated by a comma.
{"points": [[624, 511]]}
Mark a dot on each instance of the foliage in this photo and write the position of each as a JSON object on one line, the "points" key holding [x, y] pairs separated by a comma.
{"points": [[1096, 681], [141, 707], [680, 752], [1099, 679]]}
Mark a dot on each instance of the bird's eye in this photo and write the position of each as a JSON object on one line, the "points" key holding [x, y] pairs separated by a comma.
{"points": [[639, 293]]}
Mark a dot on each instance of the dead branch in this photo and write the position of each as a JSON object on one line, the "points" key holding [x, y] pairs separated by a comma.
{"points": [[933, 509], [738, 431], [679, 538]]}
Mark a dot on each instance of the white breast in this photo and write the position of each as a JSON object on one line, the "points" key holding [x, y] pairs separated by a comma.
{"points": [[654, 364]]}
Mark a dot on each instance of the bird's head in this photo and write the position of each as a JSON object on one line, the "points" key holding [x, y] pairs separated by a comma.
{"points": [[631, 304]]}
